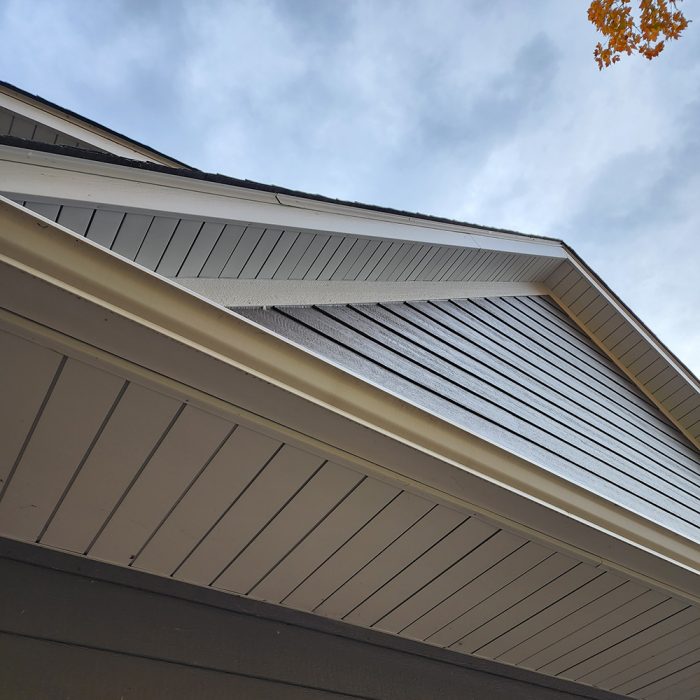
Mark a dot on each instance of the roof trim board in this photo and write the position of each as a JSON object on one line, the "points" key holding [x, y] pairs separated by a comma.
{"points": [[239, 293], [78, 127], [50, 252], [89, 180]]}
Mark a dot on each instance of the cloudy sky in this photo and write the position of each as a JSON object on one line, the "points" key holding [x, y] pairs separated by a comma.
{"points": [[490, 112]]}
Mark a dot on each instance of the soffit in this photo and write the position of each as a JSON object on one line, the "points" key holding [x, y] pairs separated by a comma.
{"points": [[151, 475], [93, 278], [208, 254]]}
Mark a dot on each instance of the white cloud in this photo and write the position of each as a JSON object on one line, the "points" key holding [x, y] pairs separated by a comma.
{"points": [[490, 112]]}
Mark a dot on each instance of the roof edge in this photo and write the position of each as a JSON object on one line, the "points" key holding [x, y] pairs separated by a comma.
{"points": [[665, 380], [219, 179], [34, 245], [641, 362]]}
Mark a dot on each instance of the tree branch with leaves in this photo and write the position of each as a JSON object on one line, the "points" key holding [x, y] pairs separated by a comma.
{"points": [[646, 32]]}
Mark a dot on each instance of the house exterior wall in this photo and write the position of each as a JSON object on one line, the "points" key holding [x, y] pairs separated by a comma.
{"points": [[76, 629], [518, 372]]}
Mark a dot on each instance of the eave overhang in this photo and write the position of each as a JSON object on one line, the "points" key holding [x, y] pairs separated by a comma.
{"points": [[50, 274]]}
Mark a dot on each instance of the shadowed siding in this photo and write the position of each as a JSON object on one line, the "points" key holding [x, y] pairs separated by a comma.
{"points": [[519, 373], [76, 629]]}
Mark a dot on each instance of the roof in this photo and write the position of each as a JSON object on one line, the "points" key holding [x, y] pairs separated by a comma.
{"points": [[195, 174], [117, 348], [343, 481], [86, 121]]}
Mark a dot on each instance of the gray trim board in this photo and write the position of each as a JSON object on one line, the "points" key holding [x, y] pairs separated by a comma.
{"points": [[119, 631]]}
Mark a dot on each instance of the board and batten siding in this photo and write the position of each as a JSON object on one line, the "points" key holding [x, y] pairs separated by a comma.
{"points": [[518, 372]]}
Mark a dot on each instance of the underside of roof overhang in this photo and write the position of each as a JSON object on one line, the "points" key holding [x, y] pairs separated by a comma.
{"points": [[110, 354], [94, 278]]}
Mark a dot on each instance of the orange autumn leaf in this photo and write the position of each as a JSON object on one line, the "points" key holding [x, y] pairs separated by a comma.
{"points": [[646, 33]]}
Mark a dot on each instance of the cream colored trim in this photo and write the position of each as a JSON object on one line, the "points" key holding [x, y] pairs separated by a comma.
{"points": [[61, 177], [78, 129], [52, 253], [238, 292]]}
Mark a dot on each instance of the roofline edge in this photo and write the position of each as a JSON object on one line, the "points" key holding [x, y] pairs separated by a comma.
{"points": [[45, 250]]}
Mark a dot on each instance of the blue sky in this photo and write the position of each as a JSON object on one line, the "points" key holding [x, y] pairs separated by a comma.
{"points": [[491, 112]]}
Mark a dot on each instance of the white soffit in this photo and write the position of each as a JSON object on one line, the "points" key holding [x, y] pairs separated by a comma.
{"points": [[235, 264], [71, 128]]}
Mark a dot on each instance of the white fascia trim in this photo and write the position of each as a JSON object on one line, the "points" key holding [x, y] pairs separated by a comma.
{"points": [[37, 246], [42, 174], [82, 131], [240, 292]]}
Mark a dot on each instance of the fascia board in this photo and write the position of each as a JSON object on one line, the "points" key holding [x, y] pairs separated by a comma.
{"points": [[64, 177], [246, 292], [49, 252], [78, 129]]}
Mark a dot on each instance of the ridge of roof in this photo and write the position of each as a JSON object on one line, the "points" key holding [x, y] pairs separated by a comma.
{"points": [[87, 120], [218, 178]]}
